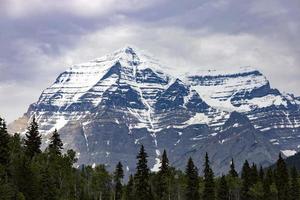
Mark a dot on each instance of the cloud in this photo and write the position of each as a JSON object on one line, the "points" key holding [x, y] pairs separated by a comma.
{"points": [[41, 38], [83, 8], [15, 99], [190, 50]]}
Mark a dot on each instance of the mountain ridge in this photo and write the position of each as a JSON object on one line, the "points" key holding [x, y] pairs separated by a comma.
{"points": [[126, 99]]}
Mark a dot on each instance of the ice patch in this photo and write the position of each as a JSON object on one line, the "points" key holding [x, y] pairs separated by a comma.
{"points": [[289, 152], [157, 152], [198, 118], [177, 142], [236, 125], [156, 166]]}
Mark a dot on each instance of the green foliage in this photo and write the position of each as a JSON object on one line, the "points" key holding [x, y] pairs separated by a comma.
{"points": [[253, 174], [118, 176], [163, 189], [261, 174], [101, 183], [256, 192], [192, 181], [209, 185], [129, 189], [4, 141], [223, 190], [33, 140], [282, 179], [56, 144], [234, 185], [232, 171], [246, 181], [28, 173], [141, 177], [294, 189], [267, 183]]}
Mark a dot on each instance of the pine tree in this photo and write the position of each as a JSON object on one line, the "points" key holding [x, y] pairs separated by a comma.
{"points": [[223, 190], [48, 189], [192, 185], [164, 168], [209, 185], [101, 183], [33, 139], [232, 171], [141, 178], [253, 174], [282, 179], [267, 182], [261, 174], [294, 189], [4, 144], [129, 190], [118, 176], [56, 144], [246, 181], [163, 192]]}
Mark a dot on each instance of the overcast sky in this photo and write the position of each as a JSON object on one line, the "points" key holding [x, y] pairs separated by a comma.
{"points": [[40, 38]]}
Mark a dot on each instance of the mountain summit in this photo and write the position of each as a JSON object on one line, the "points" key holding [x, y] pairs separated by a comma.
{"points": [[106, 108]]}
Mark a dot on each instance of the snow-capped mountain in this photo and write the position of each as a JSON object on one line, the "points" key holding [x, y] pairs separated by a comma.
{"points": [[248, 91], [105, 108]]}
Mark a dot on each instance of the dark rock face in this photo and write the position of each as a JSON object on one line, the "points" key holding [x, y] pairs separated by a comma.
{"points": [[106, 108]]}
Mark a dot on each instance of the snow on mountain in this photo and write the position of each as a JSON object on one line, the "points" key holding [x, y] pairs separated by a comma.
{"points": [[105, 108], [248, 91], [222, 90]]}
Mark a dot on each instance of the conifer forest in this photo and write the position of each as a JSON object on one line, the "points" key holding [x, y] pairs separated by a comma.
{"points": [[27, 172]]}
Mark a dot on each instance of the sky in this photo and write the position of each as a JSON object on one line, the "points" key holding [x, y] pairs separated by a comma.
{"points": [[39, 39]]}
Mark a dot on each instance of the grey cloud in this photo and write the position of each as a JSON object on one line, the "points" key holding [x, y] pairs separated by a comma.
{"points": [[39, 41]]}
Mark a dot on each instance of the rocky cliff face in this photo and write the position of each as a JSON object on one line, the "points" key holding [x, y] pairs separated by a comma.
{"points": [[105, 108]]}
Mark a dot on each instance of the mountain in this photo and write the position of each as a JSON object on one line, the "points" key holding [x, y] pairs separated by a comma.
{"points": [[248, 91], [104, 109], [292, 161]]}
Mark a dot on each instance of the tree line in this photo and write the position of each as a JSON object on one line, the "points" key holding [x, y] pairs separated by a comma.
{"points": [[27, 172]]}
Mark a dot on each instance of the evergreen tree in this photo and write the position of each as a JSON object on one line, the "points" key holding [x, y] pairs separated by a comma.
{"points": [[209, 185], [192, 184], [141, 178], [253, 174], [246, 181], [4, 144], [129, 190], [56, 144], [232, 171], [294, 189], [101, 183], [282, 179], [261, 174], [163, 192], [118, 176], [267, 182], [33, 139], [48, 189], [257, 192], [223, 190]]}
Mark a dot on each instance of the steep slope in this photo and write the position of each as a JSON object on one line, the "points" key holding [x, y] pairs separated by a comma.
{"points": [[115, 102], [238, 139], [248, 91], [105, 108]]}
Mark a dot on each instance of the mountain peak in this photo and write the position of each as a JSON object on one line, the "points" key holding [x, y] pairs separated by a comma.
{"points": [[126, 98], [129, 50]]}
